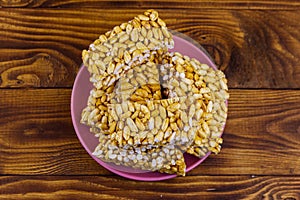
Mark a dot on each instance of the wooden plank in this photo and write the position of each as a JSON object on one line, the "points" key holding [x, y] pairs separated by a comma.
{"points": [[191, 187], [37, 137], [169, 4], [261, 134], [256, 49]]}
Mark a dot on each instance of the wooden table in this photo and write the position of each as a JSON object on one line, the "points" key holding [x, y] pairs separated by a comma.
{"points": [[257, 45]]}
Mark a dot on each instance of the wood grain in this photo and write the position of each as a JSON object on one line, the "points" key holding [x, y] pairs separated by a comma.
{"points": [[169, 4], [256, 43], [191, 187], [37, 135], [261, 136], [256, 49], [263, 126]]}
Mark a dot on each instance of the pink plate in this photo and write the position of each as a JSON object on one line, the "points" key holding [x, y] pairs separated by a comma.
{"points": [[80, 93]]}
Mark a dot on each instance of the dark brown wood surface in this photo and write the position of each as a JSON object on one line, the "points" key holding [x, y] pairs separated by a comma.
{"points": [[256, 49], [110, 187], [257, 45], [131, 4], [260, 137]]}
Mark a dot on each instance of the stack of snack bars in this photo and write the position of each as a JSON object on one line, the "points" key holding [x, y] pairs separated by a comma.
{"points": [[148, 106]]}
